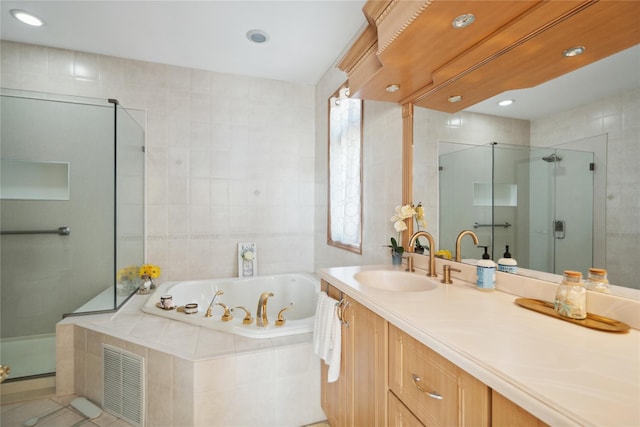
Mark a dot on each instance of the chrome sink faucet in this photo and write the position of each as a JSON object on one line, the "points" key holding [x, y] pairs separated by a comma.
{"points": [[261, 314], [458, 257], [432, 250]]}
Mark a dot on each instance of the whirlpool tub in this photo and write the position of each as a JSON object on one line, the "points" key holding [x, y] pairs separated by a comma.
{"points": [[298, 292]]}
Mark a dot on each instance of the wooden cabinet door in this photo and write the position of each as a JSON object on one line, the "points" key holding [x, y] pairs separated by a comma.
{"points": [[358, 397], [367, 373], [333, 394], [505, 413], [399, 415]]}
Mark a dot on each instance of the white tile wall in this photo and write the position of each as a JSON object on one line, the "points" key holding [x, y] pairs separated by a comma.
{"points": [[229, 158], [618, 117], [431, 127]]}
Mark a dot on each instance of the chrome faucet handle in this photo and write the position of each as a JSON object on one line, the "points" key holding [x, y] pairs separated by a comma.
{"points": [[226, 316], [446, 273], [281, 320], [247, 315]]}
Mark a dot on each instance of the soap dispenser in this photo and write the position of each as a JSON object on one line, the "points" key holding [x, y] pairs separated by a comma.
{"points": [[506, 263], [486, 272]]}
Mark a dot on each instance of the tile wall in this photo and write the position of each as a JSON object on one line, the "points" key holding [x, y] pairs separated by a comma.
{"points": [[618, 117], [229, 158], [431, 127], [194, 376]]}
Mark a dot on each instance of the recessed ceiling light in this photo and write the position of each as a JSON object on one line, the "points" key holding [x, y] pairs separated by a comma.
{"points": [[26, 18], [455, 98], [463, 20], [257, 36], [574, 51], [506, 102], [393, 88]]}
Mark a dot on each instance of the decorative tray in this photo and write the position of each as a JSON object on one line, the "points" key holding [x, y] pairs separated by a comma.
{"points": [[592, 321]]}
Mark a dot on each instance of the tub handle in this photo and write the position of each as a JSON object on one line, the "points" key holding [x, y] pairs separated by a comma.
{"points": [[226, 316], [247, 316], [281, 320]]}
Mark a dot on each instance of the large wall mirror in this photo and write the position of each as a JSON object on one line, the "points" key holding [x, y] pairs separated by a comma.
{"points": [[490, 166]]}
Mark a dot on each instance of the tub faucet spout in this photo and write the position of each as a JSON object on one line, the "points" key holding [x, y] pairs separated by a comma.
{"points": [[261, 314]]}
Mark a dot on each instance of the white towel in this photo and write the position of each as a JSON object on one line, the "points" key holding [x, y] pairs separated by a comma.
{"points": [[327, 334]]}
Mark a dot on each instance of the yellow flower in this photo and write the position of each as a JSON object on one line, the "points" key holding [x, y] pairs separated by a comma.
{"points": [[443, 253], [127, 273], [153, 271]]}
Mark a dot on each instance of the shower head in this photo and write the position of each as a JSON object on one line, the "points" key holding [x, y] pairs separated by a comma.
{"points": [[552, 158]]}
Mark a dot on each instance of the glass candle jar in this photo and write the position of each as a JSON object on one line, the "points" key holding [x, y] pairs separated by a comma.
{"points": [[597, 280], [571, 296]]}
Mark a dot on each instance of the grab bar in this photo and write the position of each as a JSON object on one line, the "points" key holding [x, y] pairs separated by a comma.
{"points": [[505, 225], [61, 231]]}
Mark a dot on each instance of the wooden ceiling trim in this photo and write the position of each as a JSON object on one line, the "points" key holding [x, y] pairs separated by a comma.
{"points": [[373, 9], [532, 23], [397, 17], [359, 50], [366, 70], [466, 63], [539, 59], [412, 43]]}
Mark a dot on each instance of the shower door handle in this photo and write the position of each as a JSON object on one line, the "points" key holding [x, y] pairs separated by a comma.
{"points": [[559, 229]]}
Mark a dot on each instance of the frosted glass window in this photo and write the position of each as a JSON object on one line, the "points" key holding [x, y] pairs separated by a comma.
{"points": [[25, 180], [345, 172]]}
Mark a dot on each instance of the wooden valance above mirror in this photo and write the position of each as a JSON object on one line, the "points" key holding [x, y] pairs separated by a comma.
{"points": [[411, 53]]}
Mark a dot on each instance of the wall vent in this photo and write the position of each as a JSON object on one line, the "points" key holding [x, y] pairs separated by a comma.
{"points": [[123, 392]]}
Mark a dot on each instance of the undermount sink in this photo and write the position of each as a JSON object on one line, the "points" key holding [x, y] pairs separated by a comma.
{"points": [[393, 280]]}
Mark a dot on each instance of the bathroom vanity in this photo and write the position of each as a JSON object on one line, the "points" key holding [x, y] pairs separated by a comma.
{"points": [[451, 355]]}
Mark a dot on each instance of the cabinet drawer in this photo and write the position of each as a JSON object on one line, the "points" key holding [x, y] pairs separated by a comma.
{"points": [[399, 415], [423, 380]]}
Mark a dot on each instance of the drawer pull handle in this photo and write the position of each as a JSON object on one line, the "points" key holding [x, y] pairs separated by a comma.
{"points": [[417, 382]]}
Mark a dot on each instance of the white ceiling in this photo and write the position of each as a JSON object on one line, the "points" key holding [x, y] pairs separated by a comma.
{"points": [[306, 38], [611, 75]]}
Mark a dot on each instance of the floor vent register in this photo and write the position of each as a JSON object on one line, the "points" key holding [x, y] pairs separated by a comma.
{"points": [[123, 393]]}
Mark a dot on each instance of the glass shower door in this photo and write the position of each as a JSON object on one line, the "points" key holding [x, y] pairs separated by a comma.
{"points": [[59, 156], [561, 235], [466, 195]]}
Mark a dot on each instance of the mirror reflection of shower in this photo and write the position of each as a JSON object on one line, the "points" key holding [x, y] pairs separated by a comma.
{"points": [[552, 158], [548, 207]]}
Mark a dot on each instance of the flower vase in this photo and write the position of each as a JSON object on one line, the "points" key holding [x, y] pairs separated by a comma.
{"points": [[396, 258], [247, 268]]}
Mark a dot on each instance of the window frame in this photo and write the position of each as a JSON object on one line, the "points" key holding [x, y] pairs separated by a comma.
{"points": [[330, 241]]}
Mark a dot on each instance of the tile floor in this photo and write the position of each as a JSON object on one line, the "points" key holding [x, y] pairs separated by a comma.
{"points": [[15, 414]]}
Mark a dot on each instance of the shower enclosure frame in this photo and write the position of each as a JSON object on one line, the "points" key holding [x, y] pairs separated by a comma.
{"points": [[500, 203], [125, 135]]}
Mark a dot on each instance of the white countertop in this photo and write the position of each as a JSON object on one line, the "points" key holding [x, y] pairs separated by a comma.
{"points": [[562, 373]]}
